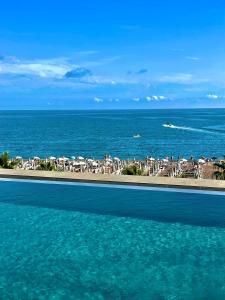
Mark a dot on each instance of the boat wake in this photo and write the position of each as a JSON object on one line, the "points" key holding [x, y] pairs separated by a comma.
{"points": [[190, 129], [202, 130]]}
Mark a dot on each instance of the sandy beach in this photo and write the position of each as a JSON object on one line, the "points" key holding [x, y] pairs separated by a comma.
{"points": [[201, 184]]}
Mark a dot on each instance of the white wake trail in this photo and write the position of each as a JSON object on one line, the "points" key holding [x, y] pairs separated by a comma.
{"points": [[218, 132], [191, 129]]}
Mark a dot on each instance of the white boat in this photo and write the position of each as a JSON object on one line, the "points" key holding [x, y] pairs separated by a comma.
{"points": [[169, 125], [136, 136]]}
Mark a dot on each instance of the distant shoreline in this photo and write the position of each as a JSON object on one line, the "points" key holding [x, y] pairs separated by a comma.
{"points": [[166, 182]]}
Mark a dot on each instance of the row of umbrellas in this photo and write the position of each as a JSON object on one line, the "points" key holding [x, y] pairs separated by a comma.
{"points": [[80, 158], [201, 161], [54, 158]]}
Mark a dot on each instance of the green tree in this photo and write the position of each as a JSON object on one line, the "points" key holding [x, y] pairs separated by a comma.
{"points": [[5, 161], [46, 166], [132, 170], [220, 174]]}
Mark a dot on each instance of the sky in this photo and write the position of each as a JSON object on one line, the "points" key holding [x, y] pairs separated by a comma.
{"points": [[112, 54]]}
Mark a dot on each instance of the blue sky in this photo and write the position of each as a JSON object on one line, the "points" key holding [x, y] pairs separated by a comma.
{"points": [[112, 54]]}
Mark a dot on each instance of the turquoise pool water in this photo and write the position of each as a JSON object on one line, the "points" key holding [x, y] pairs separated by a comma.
{"points": [[91, 242]]}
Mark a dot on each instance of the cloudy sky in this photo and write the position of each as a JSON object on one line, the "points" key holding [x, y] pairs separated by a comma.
{"points": [[112, 54]]}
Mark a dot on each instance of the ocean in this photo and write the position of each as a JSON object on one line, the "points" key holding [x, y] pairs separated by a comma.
{"points": [[197, 132]]}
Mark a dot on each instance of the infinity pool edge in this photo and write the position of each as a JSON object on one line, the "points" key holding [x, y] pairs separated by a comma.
{"points": [[179, 183]]}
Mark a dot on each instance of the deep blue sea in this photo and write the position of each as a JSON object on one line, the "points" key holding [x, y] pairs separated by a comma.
{"points": [[69, 242], [199, 132]]}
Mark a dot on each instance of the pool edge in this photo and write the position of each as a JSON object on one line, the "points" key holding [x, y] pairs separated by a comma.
{"points": [[166, 182]]}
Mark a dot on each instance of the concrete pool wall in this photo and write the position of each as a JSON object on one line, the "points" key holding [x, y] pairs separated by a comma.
{"points": [[184, 183]]}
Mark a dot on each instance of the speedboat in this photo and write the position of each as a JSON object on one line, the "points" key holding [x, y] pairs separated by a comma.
{"points": [[136, 136], [169, 125]]}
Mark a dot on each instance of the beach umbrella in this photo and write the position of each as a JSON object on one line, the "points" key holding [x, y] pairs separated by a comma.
{"points": [[151, 159], [184, 159], [165, 160], [116, 158], [108, 160], [36, 158], [80, 158], [19, 158], [90, 160], [52, 158], [201, 161], [61, 158]]}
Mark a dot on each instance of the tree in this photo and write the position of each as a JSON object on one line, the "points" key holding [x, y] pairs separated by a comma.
{"points": [[132, 170], [5, 161], [46, 166], [220, 174]]}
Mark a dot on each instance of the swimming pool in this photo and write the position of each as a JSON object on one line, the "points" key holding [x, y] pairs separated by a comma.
{"points": [[83, 241]]}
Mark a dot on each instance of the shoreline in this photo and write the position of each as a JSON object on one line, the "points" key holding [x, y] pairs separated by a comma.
{"points": [[166, 182]]}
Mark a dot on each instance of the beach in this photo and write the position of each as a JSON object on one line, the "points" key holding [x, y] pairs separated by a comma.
{"points": [[202, 168]]}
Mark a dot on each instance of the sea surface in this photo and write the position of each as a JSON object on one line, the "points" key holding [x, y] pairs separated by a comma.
{"points": [[198, 132], [79, 241]]}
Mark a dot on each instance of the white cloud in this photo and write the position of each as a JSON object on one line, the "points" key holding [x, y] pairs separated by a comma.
{"points": [[41, 69], [137, 99], [98, 100], [52, 68], [212, 96], [155, 98], [52, 72], [161, 97]]}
